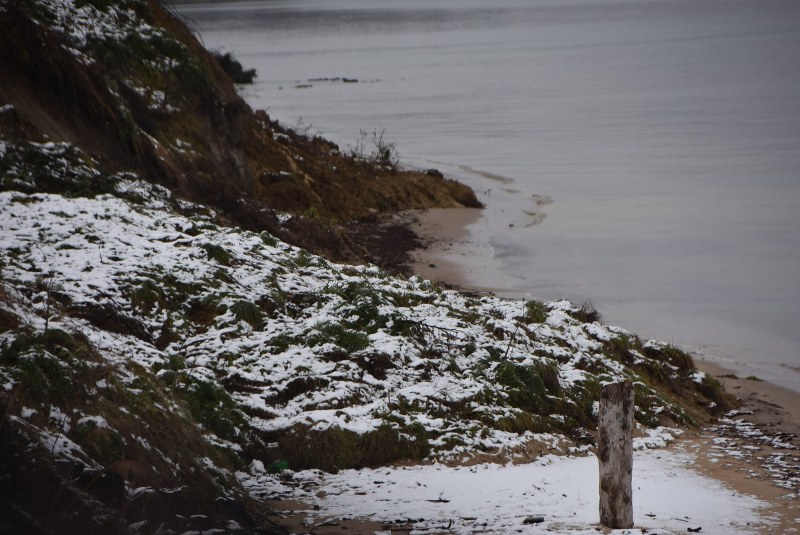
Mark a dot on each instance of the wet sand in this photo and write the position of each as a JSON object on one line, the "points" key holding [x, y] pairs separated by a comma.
{"points": [[449, 255], [756, 449]]}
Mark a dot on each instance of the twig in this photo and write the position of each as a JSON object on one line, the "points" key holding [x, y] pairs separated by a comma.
{"points": [[61, 428]]}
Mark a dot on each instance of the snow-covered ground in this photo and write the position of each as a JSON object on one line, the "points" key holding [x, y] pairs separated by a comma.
{"points": [[669, 497], [357, 351], [282, 341], [107, 251]]}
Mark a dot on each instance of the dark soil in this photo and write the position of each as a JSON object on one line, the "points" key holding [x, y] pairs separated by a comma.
{"points": [[388, 244]]}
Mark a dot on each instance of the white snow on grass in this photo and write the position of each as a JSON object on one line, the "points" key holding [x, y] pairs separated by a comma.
{"points": [[349, 348], [669, 497], [373, 350]]}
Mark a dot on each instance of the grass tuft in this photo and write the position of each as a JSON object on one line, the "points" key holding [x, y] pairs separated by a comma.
{"points": [[529, 386], [217, 253], [147, 296], [248, 312], [333, 333], [336, 449], [213, 407], [535, 312], [586, 314]]}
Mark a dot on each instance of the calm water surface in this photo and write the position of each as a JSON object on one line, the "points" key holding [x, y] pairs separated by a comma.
{"points": [[666, 133]]}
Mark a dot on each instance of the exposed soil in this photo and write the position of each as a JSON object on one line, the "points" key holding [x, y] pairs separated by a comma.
{"points": [[240, 162], [298, 517], [756, 448], [389, 242]]}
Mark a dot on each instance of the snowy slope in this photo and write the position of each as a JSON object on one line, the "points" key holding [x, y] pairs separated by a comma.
{"points": [[300, 343]]}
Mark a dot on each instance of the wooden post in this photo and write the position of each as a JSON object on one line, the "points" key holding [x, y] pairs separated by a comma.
{"points": [[615, 455]]}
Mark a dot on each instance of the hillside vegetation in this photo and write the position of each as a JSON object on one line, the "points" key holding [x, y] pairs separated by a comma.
{"points": [[162, 346], [129, 85]]}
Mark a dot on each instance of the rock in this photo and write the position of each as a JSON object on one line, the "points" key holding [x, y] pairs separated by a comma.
{"points": [[533, 520], [107, 486], [234, 69]]}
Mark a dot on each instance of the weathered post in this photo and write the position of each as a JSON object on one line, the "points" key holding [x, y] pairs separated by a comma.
{"points": [[615, 455]]}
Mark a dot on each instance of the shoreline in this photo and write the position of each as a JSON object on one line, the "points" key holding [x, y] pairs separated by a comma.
{"points": [[440, 231], [445, 255], [752, 450]]}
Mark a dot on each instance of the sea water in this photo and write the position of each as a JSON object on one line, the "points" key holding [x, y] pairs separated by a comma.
{"points": [[666, 133]]}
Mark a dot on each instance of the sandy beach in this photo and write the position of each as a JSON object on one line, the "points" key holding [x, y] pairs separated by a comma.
{"points": [[754, 450], [450, 255]]}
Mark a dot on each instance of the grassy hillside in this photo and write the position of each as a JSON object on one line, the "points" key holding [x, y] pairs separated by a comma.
{"points": [[160, 341], [129, 85], [161, 351]]}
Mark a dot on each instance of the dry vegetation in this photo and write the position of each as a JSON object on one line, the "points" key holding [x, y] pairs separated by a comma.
{"points": [[93, 115], [185, 127]]}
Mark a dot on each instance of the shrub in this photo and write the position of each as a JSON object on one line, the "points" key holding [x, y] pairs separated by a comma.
{"points": [[233, 68], [42, 378], [587, 393], [248, 312], [619, 348], [712, 390], [528, 386], [535, 312], [586, 314], [146, 296], [383, 153], [521, 422], [102, 444], [213, 407], [335, 448], [58, 343], [672, 355], [281, 343], [218, 253], [268, 239], [204, 311], [333, 333]]}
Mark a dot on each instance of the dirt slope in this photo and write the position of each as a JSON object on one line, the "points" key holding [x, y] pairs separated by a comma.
{"points": [[129, 84]]}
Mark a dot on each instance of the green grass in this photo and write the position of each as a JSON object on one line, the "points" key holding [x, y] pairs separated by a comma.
{"points": [[528, 386], [42, 378], [213, 407], [269, 240], [712, 390], [535, 312], [58, 343], [203, 312], [248, 312], [335, 449], [147, 296], [217, 253], [282, 343], [672, 355], [519, 423], [103, 445], [41, 364], [64, 169], [328, 332]]}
